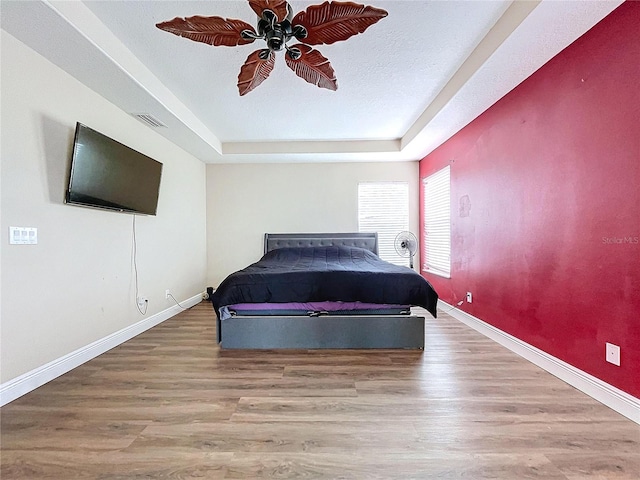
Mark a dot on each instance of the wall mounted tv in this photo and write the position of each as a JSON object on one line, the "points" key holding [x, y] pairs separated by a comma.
{"points": [[107, 174]]}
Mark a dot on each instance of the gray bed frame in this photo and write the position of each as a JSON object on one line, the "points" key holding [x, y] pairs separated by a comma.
{"points": [[328, 331]]}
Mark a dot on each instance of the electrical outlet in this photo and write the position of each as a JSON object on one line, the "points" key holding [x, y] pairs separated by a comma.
{"points": [[141, 301], [469, 298], [167, 293], [612, 354]]}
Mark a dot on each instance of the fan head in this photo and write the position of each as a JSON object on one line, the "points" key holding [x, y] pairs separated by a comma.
{"points": [[406, 245]]}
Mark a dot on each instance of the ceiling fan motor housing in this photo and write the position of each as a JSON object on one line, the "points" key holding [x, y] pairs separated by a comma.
{"points": [[277, 34]]}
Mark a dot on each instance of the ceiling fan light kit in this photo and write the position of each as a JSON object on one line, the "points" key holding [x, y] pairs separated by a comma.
{"points": [[322, 24]]}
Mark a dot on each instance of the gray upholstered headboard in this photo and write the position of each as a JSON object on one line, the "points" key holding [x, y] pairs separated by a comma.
{"points": [[272, 241]]}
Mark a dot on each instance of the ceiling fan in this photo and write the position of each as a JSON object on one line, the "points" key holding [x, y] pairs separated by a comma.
{"points": [[327, 23]]}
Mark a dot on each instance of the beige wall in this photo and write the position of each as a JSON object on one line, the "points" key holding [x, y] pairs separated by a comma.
{"points": [[77, 285], [245, 201]]}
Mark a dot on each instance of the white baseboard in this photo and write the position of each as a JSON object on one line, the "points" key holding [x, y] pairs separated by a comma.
{"points": [[37, 377], [612, 397]]}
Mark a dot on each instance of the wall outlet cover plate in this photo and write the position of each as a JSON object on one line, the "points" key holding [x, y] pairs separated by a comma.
{"points": [[613, 354]]}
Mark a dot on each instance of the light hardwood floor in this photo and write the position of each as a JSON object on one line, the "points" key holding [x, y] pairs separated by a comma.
{"points": [[170, 404]]}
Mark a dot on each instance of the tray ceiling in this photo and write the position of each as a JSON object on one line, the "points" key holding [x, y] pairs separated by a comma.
{"points": [[405, 85]]}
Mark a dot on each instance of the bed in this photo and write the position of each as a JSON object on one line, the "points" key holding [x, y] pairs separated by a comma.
{"points": [[312, 291]]}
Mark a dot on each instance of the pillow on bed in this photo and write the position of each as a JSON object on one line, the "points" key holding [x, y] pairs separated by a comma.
{"points": [[335, 255]]}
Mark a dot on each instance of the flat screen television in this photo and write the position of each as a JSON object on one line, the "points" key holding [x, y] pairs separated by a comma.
{"points": [[107, 174]]}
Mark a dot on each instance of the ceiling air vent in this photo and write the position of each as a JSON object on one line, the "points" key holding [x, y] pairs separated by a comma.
{"points": [[149, 120]]}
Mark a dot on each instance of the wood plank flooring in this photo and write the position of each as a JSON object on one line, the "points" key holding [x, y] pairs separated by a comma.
{"points": [[170, 404]]}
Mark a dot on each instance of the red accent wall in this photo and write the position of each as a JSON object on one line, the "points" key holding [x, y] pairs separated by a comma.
{"points": [[551, 246]]}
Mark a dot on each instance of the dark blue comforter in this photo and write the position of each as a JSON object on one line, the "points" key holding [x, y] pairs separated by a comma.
{"points": [[318, 274]]}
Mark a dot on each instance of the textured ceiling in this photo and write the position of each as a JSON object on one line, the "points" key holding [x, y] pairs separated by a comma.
{"points": [[404, 86]]}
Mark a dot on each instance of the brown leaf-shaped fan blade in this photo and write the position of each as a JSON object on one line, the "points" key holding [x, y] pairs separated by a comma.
{"points": [[279, 7], [336, 21], [313, 67], [255, 71], [211, 30]]}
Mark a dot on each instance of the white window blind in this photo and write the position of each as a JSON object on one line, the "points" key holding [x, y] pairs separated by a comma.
{"points": [[383, 207], [436, 247]]}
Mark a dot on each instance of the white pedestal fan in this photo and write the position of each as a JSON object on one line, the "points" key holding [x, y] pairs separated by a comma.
{"points": [[406, 245]]}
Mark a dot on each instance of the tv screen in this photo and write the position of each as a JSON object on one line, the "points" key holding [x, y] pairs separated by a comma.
{"points": [[107, 174]]}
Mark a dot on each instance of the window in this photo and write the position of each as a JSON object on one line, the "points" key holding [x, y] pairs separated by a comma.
{"points": [[383, 207], [436, 247]]}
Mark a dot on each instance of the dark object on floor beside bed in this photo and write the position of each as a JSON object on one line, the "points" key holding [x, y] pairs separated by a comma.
{"points": [[327, 268]]}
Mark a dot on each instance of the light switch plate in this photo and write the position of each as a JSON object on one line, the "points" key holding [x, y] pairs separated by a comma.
{"points": [[23, 236]]}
